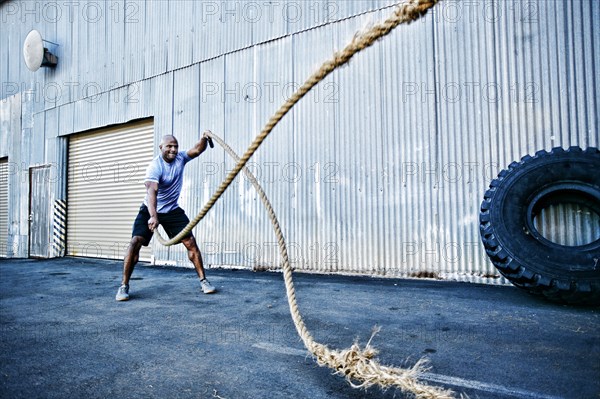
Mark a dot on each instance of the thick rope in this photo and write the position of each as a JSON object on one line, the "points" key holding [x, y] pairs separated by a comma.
{"points": [[357, 364]]}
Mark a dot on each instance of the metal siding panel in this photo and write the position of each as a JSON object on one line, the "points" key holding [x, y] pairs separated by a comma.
{"points": [[5, 60], [235, 35], [162, 89], [208, 27], [138, 100], [50, 32], [338, 10], [274, 165], [97, 49], [569, 224], [413, 227], [25, 137], [81, 62], [97, 181], [241, 207], [65, 125], [266, 20], [186, 104], [460, 140], [5, 127], [81, 115], [135, 37], [63, 74], [181, 17], [18, 184], [15, 69], [156, 37], [358, 109], [207, 172], [314, 199], [37, 131], [117, 108], [115, 55], [304, 15], [51, 123]]}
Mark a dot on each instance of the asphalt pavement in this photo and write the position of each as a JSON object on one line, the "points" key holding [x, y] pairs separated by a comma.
{"points": [[63, 335]]}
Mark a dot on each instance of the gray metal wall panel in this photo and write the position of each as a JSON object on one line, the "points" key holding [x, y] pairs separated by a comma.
{"points": [[303, 15], [162, 89], [156, 34], [134, 46], [266, 20], [395, 150], [207, 172], [461, 74], [180, 48], [116, 62], [63, 76], [274, 166], [65, 126], [5, 127], [337, 10], [18, 183], [240, 207], [163, 104], [186, 128], [138, 100], [314, 198], [38, 140], [97, 50]]}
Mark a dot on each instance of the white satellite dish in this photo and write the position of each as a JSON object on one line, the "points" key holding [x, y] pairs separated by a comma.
{"points": [[35, 54]]}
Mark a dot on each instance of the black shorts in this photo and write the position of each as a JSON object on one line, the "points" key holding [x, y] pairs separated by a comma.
{"points": [[172, 222]]}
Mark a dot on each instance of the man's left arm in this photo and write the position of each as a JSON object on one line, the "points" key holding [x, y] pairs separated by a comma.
{"points": [[200, 146]]}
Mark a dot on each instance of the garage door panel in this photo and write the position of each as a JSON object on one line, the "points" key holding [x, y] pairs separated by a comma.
{"points": [[3, 207], [106, 189]]}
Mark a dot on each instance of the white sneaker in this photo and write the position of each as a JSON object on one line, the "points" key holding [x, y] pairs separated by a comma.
{"points": [[123, 293], [207, 287]]}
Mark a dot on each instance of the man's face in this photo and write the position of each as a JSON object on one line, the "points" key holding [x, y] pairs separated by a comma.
{"points": [[169, 148]]}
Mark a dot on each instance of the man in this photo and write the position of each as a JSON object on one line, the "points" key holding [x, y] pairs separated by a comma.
{"points": [[164, 179]]}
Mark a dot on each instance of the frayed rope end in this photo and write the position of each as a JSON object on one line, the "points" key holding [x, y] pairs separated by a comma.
{"points": [[362, 370]]}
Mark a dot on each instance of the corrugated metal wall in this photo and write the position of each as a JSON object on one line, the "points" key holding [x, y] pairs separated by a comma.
{"points": [[381, 169]]}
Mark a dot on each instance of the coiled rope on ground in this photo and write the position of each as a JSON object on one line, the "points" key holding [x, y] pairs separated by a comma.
{"points": [[357, 364]]}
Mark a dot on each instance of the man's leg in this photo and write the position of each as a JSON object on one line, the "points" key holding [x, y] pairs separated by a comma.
{"points": [[196, 258], [141, 235], [131, 257]]}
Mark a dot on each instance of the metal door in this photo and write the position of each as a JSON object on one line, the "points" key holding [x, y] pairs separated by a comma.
{"points": [[40, 212]]}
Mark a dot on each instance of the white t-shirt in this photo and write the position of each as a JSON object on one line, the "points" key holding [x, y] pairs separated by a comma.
{"points": [[169, 177]]}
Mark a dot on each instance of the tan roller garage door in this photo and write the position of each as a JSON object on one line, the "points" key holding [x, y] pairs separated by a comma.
{"points": [[3, 206], [106, 189]]}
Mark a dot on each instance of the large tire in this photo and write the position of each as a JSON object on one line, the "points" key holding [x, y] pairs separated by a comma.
{"points": [[562, 273]]}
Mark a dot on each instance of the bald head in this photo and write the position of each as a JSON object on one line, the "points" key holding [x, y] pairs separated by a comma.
{"points": [[169, 147], [167, 138]]}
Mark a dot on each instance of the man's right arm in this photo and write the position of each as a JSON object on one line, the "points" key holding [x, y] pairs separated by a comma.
{"points": [[152, 190]]}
